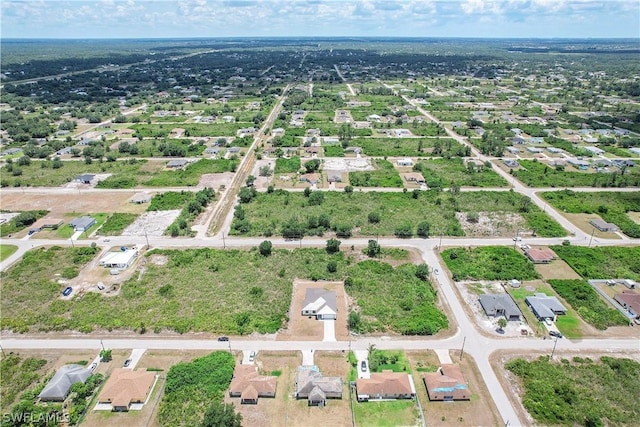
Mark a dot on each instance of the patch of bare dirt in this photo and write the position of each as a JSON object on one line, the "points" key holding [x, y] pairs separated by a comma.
{"points": [[491, 224]]}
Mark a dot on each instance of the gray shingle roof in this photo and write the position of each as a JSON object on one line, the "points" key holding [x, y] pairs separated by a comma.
{"points": [[58, 387]]}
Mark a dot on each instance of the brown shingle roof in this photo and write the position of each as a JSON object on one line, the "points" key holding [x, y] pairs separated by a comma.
{"points": [[448, 381], [540, 254], [386, 383], [125, 386], [247, 382]]}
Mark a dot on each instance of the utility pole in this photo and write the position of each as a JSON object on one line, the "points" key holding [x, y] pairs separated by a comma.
{"points": [[554, 349], [440, 244], [224, 245], [464, 340], [515, 239], [101, 344], [72, 245], [591, 238], [147, 238]]}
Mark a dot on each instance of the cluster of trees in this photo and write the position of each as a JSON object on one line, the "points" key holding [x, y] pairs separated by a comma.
{"points": [[197, 203]]}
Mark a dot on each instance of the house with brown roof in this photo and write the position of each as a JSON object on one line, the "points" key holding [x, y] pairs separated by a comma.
{"points": [[385, 385], [540, 255], [414, 177], [447, 384], [630, 301], [125, 388], [316, 388], [249, 385]]}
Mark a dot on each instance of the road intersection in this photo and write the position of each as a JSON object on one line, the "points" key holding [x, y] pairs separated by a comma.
{"points": [[466, 334]]}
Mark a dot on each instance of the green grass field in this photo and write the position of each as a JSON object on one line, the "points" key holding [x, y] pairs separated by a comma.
{"points": [[385, 175], [391, 413], [235, 292], [537, 174], [6, 251], [607, 262], [488, 263], [439, 173], [116, 223], [269, 211]]}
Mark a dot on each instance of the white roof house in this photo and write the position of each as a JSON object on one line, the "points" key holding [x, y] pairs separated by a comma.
{"points": [[121, 259], [320, 303], [405, 162], [594, 150]]}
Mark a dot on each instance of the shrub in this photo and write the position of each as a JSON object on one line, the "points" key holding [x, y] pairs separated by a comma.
{"points": [[332, 266], [265, 248], [333, 246], [373, 217], [423, 229], [404, 231], [373, 249]]}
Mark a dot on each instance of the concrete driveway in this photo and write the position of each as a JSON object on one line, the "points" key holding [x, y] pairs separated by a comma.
{"points": [[362, 356], [329, 330], [135, 356]]}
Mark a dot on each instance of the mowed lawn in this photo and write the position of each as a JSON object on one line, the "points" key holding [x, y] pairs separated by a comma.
{"points": [[233, 291], [268, 211], [6, 251]]}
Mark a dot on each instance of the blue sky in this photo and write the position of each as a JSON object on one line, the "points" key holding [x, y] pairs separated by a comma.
{"points": [[264, 18]]}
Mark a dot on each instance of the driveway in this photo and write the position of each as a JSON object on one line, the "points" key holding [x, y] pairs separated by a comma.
{"points": [[362, 356], [135, 356], [329, 330]]}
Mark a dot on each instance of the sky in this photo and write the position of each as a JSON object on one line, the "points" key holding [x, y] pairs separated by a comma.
{"points": [[326, 18]]}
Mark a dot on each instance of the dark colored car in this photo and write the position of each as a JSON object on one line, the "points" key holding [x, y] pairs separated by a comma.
{"points": [[555, 334], [363, 366], [67, 291], [223, 338], [127, 362]]}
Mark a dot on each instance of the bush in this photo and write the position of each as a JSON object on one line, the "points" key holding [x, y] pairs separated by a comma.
{"points": [[404, 231], [333, 246], [373, 217], [422, 271], [424, 228], [265, 248], [373, 249], [332, 266]]}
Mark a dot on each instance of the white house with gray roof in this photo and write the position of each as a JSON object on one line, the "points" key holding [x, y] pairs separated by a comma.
{"points": [[545, 306], [496, 305], [320, 303], [58, 387]]}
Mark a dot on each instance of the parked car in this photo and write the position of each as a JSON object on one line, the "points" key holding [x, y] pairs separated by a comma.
{"points": [[67, 291], [363, 366], [548, 321], [223, 338], [517, 239], [252, 356], [93, 366], [555, 334], [127, 363]]}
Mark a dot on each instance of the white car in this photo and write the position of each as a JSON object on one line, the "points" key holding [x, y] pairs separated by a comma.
{"points": [[252, 356], [548, 321]]}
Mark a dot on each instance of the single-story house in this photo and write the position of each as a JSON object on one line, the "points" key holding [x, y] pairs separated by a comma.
{"points": [[233, 150], [404, 162], [330, 140], [630, 301], [518, 140], [50, 223], [414, 177], [122, 259], [334, 178], [82, 223], [603, 225], [63, 151], [635, 150], [277, 132], [355, 150], [140, 198], [245, 132], [312, 151], [594, 150], [320, 303], [11, 151], [249, 385], [513, 150], [540, 255], [85, 178], [58, 387], [496, 305], [544, 306], [212, 150], [311, 178], [178, 163], [511, 163], [534, 149], [385, 385], [555, 150], [447, 384], [313, 386], [126, 387], [602, 162], [578, 164]]}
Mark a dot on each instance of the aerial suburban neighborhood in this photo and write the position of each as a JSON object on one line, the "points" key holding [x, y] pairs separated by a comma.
{"points": [[313, 231]]}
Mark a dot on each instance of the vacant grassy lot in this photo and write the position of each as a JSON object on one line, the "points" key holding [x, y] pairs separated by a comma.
{"points": [[192, 129], [385, 175], [581, 391], [116, 223], [17, 375], [488, 263], [291, 165], [602, 262], [6, 251], [381, 147], [390, 413], [589, 305], [191, 174], [612, 207], [267, 212], [35, 175], [236, 292], [537, 174], [441, 173]]}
